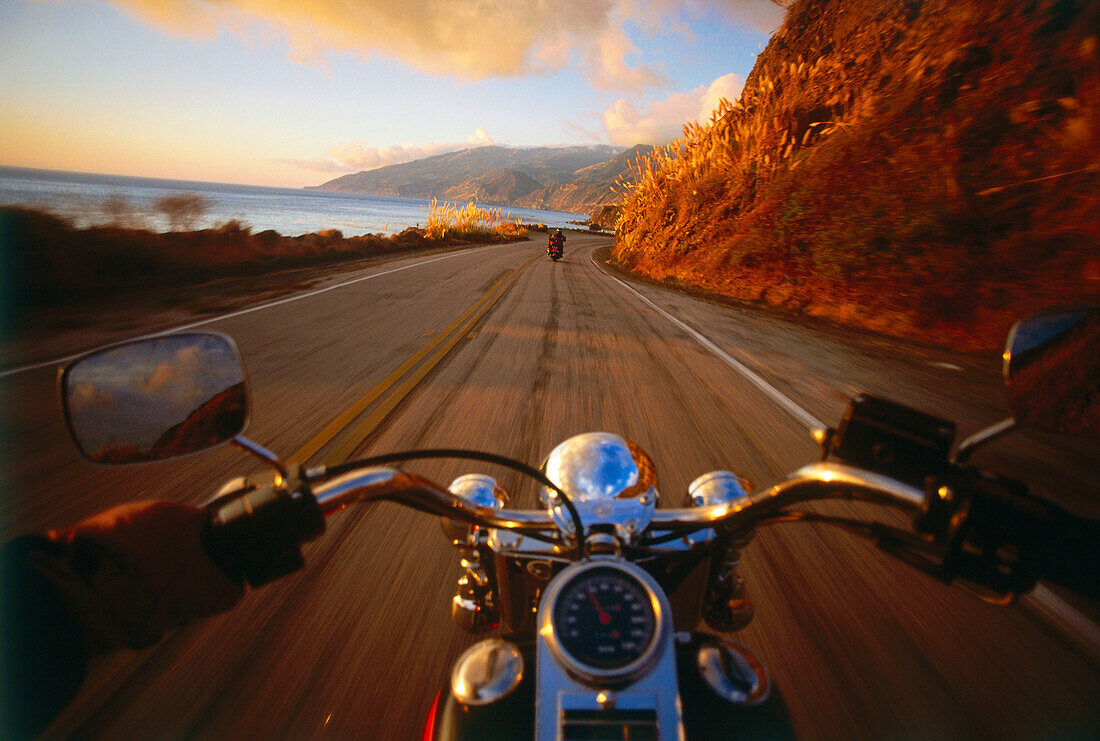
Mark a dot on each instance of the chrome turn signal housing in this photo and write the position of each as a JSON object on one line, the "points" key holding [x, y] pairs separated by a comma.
{"points": [[718, 487], [480, 490]]}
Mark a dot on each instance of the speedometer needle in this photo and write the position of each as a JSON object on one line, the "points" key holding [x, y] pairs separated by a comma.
{"points": [[605, 616]]}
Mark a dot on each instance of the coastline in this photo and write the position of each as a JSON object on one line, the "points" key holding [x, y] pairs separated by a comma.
{"points": [[59, 283], [91, 199]]}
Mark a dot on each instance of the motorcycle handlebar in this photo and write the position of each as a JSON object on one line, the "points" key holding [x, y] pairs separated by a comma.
{"points": [[392, 484], [257, 535], [815, 481]]}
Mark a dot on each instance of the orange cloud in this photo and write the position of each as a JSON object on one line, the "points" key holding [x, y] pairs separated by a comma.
{"points": [[761, 15], [662, 121], [435, 36], [470, 39], [608, 66]]}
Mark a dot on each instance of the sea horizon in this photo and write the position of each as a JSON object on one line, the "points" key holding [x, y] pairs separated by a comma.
{"points": [[91, 199]]}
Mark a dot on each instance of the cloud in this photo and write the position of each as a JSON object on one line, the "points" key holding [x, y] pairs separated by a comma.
{"points": [[317, 165], [762, 16], [356, 156], [188, 377], [182, 17], [85, 396], [662, 121], [434, 36], [176, 378], [609, 68], [452, 37]]}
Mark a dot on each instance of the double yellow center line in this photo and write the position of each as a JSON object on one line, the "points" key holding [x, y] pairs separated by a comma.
{"points": [[382, 398]]}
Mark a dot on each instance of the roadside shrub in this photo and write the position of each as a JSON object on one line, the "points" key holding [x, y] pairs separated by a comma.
{"points": [[183, 210], [120, 213], [235, 227]]}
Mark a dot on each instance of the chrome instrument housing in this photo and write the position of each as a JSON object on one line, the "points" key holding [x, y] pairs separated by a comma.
{"points": [[648, 684], [594, 676]]}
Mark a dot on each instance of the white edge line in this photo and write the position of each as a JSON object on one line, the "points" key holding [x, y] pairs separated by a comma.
{"points": [[221, 317], [1069, 620], [778, 397], [1051, 605]]}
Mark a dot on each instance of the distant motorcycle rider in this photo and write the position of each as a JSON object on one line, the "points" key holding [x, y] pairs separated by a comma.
{"points": [[557, 243]]}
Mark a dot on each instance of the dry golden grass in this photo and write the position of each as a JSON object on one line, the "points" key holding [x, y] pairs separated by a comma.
{"points": [[448, 221]]}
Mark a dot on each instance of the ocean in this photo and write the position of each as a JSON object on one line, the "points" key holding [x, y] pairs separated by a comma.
{"points": [[90, 199]]}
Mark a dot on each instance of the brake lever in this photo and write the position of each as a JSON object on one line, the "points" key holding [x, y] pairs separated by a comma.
{"points": [[910, 548], [930, 557]]}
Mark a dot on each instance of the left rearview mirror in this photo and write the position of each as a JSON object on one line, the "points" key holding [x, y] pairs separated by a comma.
{"points": [[155, 398]]}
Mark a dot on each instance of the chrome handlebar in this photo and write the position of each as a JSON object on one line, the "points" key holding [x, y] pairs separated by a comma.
{"points": [[823, 480], [416, 492], [816, 481]]}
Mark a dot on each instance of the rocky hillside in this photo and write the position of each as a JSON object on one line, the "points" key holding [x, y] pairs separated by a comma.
{"points": [[588, 188], [218, 418], [925, 168], [575, 179]]}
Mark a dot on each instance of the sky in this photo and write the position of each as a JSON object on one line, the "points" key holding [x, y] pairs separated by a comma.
{"points": [[269, 92]]}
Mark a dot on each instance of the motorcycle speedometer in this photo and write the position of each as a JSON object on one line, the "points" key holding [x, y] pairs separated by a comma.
{"points": [[605, 622]]}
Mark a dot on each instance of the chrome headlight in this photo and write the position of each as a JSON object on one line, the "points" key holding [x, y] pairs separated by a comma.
{"points": [[597, 466]]}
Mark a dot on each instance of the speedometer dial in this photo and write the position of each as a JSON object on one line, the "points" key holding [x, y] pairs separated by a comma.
{"points": [[604, 618]]}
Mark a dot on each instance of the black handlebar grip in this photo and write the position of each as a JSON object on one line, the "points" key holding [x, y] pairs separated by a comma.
{"points": [[1006, 539], [256, 534]]}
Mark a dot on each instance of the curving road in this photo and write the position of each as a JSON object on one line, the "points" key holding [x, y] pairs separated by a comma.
{"points": [[497, 348]]}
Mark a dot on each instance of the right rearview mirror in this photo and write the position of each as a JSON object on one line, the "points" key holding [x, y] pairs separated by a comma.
{"points": [[1052, 371], [155, 398]]}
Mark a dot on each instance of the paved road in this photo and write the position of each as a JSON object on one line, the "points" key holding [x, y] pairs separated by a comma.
{"points": [[357, 643]]}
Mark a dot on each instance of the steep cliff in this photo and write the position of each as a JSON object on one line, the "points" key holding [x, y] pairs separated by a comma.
{"points": [[925, 168]]}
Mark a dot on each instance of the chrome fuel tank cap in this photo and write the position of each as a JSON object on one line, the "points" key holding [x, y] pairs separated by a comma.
{"points": [[733, 672], [486, 672]]}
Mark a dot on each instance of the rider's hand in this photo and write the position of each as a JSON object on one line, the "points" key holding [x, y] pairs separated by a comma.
{"points": [[139, 570]]}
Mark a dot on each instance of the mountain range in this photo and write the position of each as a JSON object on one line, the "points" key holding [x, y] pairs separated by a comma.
{"points": [[576, 179]]}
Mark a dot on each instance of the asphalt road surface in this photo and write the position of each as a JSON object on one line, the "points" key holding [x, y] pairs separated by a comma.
{"points": [[499, 349]]}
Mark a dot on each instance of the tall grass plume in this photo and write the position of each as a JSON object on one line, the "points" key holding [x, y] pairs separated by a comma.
{"points": [[448, 221]]}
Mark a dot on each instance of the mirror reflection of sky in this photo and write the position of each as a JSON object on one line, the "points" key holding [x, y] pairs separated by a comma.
{"points": [[1037, 330], [134, 393]]}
